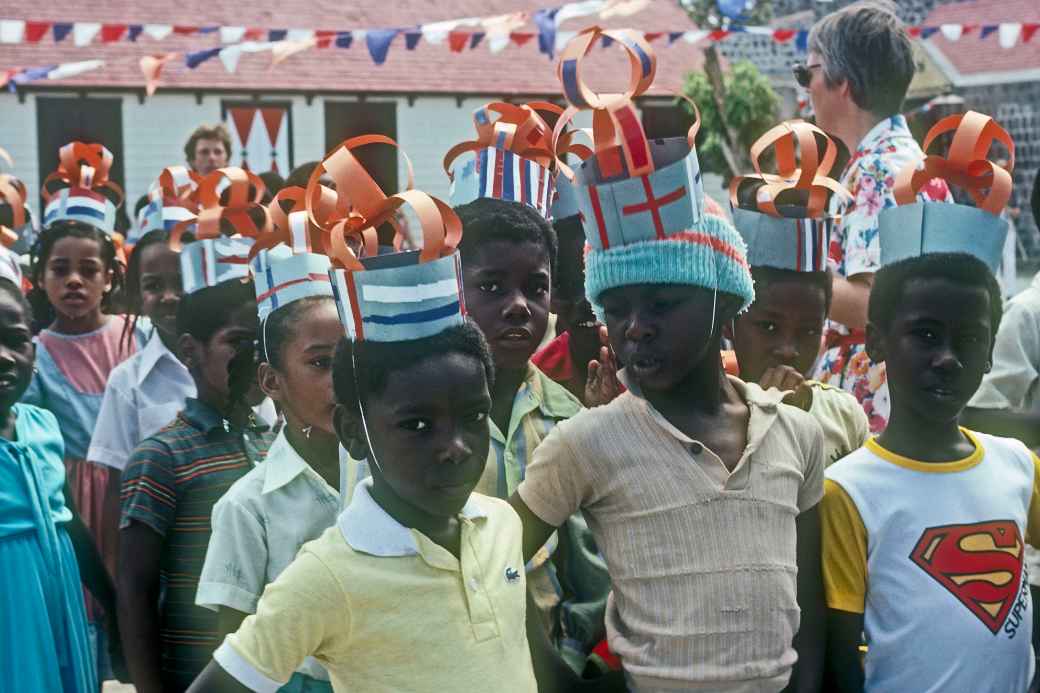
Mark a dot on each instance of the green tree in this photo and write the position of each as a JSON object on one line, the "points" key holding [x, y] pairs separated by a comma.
{"points": [[749, 107]]}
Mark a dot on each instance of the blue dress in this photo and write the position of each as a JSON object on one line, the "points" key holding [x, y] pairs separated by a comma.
{"points": [[43, 627]]}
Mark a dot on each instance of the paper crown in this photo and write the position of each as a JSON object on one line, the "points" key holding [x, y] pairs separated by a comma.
{"points": [[511, 159], [288, 262], [224, 234], [914, 228], [80, 190], [171, 200], [566, 202], [13, 194], [641, 201], [796, 235], [408, 294]]}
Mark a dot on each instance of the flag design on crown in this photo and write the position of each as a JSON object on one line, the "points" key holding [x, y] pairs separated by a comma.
{"points": [[914, 227], [288, 263], [785, 224], [171, 200], [641, 202], [565, 203], [223, 234], [511, 157], [80, 190], [407, 294]]}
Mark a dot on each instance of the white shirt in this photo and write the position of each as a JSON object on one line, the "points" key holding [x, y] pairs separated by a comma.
{"points": [[259, 526], [1013, 381], [143, 394]]}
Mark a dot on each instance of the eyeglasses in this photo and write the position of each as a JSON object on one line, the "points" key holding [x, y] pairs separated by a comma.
{"points": [[803, 73]]}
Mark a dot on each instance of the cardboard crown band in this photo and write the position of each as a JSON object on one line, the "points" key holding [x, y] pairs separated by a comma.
{"points": [[914, 227]]}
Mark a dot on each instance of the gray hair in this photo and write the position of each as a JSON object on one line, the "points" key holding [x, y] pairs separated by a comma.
{"points": [[866, 45]]}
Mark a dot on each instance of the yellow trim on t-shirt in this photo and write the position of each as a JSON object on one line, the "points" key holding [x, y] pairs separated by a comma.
{"points": [[939, 467], [844, 550], [1033, 522]]}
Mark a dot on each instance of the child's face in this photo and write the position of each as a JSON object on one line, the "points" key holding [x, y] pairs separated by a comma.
{"points": [[209, 361], [660, 332], [75, 278], [507, 294], [429, 429], [302, 383], [17, 352], [935, 349], [781, 328], [160, 287]]}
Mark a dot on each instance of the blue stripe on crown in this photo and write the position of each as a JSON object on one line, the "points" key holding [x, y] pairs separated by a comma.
{"points": [[416, 317]]}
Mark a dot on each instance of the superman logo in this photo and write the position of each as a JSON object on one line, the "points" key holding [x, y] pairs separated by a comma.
{"points": [[980, 564]]}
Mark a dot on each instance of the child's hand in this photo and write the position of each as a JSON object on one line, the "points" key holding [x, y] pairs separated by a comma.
{"points": [[602, 385], [787, 379]]}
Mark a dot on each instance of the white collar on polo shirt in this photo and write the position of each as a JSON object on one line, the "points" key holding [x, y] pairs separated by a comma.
{"points": [[370, 529]]}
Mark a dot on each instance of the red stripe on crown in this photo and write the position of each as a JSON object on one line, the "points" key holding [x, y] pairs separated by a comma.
{"points": [[312, 277], [355, 310]]}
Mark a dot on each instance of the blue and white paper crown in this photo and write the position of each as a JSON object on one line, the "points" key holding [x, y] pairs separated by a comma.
{"points": [[641, 202], [792, 236], [404, 295], [171, 200], [289, 263], [224, 234], [511, 159], [79, 190], [917, 227]]}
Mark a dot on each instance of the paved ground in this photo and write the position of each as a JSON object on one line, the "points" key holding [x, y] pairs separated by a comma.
{"points": [[116, 687]]}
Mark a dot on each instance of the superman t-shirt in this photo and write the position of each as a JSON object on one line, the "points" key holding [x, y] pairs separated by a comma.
{"points": [[932, 555]]}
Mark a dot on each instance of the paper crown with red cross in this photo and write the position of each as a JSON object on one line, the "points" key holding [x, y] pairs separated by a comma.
{"points": [[222, 233], [414, 291], [916, 227], [171, 200], [566, 202], [511, 159], [80, 190], [288, 262], [641, 201], [782, 216]]}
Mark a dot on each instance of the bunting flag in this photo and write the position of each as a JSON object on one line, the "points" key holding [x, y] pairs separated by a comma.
{"points": [[12, 77]]}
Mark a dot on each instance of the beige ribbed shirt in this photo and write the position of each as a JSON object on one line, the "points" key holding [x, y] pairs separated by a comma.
{"points": [[702, 560]]}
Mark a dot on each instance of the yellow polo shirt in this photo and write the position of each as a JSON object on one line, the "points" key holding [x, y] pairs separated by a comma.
{"points": [[383, 608]]}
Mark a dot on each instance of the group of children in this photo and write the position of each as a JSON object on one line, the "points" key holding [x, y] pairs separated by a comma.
{"points": [[329, 445]]}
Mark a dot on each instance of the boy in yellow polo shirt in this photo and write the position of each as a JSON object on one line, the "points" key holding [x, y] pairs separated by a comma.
{"points": [[419, 572]]}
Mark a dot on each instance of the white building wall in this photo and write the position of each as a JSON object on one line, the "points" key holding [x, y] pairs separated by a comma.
{"points": [[18, 137]]}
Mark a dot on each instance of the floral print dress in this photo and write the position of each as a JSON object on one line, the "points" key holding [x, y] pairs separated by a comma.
{"points": [[855, 248]]}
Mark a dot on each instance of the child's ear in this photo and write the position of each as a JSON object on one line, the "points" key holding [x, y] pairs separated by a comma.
{"points": [[875, 343], [188, 350], [270, 381], [350, 431], [108, 280]]}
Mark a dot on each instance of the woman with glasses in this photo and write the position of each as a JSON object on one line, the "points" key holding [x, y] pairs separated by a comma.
{"points": [[858, 69]]}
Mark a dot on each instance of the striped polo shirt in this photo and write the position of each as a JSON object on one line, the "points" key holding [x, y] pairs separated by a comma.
{"points": [[171, 483]]}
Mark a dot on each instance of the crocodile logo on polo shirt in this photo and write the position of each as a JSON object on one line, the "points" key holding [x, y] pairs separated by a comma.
{"points": [[512, 575], [980, 564]]}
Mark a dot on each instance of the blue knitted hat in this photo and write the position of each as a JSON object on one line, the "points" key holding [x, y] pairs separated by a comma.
{"points": [[712, 257]]}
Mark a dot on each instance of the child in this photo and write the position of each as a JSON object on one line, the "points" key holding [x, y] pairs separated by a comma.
{"points": [[924, 526], [43, 628], [787, 233], [700, 490], [508, 253], [420, 585], [174, 477], [76, 268], [267, 515]]}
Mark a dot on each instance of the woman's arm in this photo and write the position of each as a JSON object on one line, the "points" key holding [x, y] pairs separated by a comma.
{"points": [[91, 568]]}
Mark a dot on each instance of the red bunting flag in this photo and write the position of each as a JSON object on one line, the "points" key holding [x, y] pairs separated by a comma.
{"points": [[652, 36], [110, 33], [35, 31], [784, 35], [457, 40], [718, 34], [185, 30], [1028, 30], [521, 37]]}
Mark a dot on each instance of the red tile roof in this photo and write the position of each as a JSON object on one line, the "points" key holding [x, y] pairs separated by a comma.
{"points": [[428, 68], [971, 55]]}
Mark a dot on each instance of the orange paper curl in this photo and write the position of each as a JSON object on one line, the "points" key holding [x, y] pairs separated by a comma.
{"points": [[177, 185], [289, 201], [520, 129], [13, 193], [243, 191], [966, 165], [83, 165], [362, 206], [619, 141], [808, 171]]}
